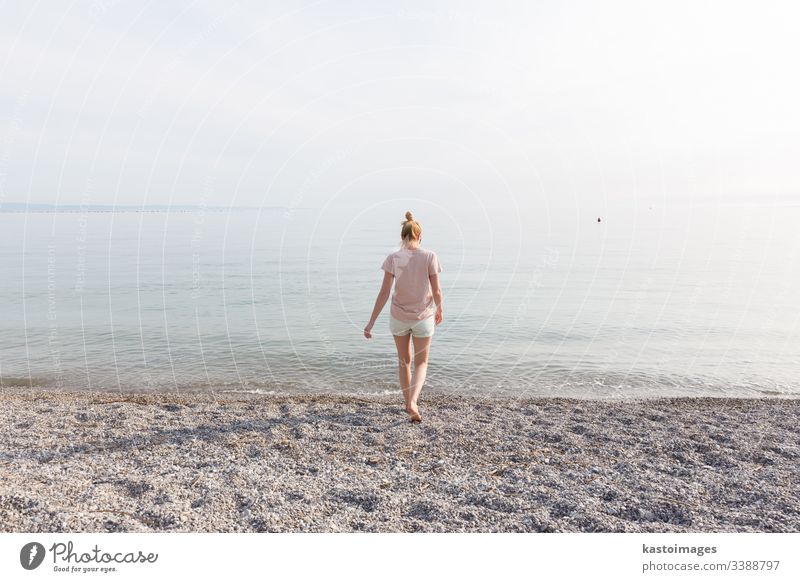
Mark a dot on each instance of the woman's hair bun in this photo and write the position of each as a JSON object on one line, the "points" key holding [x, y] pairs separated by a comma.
{"points": [[411, 228]]}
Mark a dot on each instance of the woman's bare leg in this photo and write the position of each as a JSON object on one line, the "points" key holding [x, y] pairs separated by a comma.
{"points": [[422, 347], [403, 343]]}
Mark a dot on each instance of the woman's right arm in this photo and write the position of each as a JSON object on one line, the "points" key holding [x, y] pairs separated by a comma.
{"points": [[437, 296]]}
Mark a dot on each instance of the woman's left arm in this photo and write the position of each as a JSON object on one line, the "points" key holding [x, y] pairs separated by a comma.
{"points": [[380, 301]]}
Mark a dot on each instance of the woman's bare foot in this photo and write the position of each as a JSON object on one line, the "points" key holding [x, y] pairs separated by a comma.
{"points": [[413, 412]]}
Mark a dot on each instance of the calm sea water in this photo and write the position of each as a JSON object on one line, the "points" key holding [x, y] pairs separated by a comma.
{"points": [[655, 300]]}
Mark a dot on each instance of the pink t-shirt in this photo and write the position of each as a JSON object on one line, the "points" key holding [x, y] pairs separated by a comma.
{"points": [[413, 297]]}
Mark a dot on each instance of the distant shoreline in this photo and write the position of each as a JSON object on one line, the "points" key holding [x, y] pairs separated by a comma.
{"points": [[72, 461], [17, 208]]}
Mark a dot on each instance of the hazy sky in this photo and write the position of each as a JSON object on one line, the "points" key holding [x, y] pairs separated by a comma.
{"points": [[364, 103]]}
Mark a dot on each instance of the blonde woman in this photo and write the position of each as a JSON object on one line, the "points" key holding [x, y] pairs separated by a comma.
{"points": [[416, 308]]}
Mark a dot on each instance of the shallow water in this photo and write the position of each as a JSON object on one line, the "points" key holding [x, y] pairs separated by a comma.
{"points": [[654, 300]]}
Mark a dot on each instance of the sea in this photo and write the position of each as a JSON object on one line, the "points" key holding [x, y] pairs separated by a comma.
{"points": [[635, 300]]}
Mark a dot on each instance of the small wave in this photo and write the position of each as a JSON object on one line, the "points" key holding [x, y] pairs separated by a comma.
{"points": [[550, 381]]}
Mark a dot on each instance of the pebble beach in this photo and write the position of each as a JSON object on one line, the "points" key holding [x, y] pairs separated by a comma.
{"points": [[124, 462]]}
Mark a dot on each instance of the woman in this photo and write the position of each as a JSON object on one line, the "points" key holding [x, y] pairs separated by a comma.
{"points": [[416, 308]]}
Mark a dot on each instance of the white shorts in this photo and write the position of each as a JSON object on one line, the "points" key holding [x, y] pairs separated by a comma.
{"points": [[417, 328]]}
